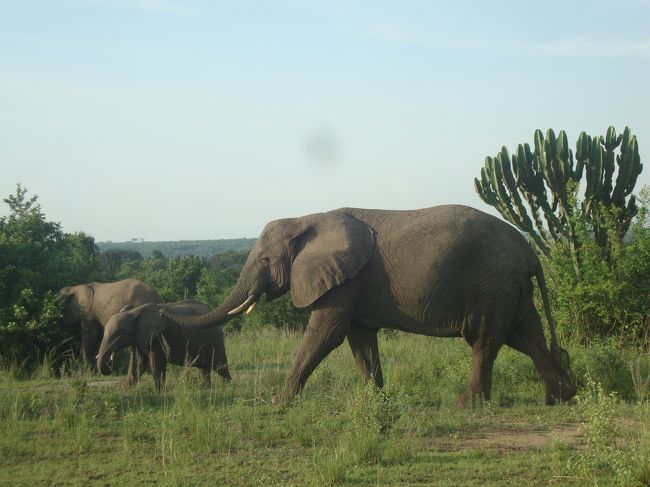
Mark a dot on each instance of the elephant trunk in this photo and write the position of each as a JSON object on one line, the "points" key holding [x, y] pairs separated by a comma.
{"points": [[105, 355], [102, 363], [242, 298]]}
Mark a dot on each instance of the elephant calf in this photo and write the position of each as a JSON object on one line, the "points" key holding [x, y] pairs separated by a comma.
{"points": [[164, 341]]}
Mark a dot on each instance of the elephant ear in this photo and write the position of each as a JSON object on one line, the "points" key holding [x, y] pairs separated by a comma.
{"points": [[332, 249]]}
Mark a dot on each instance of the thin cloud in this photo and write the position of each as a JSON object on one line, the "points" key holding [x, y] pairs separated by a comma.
{"points": [[394, 34], [157, 6], [576, 47], [589, 48]]}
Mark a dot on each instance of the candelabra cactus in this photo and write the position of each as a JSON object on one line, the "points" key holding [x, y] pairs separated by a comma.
{"points": [[547, 178]]}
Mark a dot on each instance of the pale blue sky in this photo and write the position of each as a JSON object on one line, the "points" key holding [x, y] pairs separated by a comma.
{"points": [[169, 119]]}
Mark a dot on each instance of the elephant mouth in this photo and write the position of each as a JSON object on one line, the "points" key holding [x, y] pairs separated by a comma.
{"points": [[274, 291], [246, 306]]}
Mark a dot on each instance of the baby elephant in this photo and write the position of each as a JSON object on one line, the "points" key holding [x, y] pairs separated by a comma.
{"points": [[164, 341]]}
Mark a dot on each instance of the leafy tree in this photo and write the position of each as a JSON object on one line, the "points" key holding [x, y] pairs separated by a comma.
{"points": [[181, 276], [157, 255], [228, 260], [174, 279], [114, 259], [36, 259], [80, 258]]}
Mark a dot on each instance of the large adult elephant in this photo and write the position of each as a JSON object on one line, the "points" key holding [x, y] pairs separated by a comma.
{"points": [[164, 341], [447, 271], [91, 305]]}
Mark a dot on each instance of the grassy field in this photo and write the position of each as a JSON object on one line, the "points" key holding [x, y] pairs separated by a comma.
{"points": [[88, 430]]}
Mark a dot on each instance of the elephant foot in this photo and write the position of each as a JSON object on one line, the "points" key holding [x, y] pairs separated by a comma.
{"points": [[283, 397], [224, 373], [552, 400], [560, 392], [470, 400]]}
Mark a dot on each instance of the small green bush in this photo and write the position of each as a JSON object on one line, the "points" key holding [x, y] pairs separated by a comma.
{"points": [[605, 461], [611, 295], [606, 362]]}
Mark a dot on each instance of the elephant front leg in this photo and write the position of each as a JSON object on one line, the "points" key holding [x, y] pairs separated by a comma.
{"points": [[328, 325], [220, 361], [137, 366], [158, 365], [363, 343], [91, 338]]}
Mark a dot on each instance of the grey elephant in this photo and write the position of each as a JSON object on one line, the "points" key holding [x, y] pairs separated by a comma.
{"points": [[446, 271], [91, 305], [164, 341]]}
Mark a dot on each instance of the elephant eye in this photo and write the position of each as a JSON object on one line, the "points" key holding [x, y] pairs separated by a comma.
{"points": [[266, 262]]}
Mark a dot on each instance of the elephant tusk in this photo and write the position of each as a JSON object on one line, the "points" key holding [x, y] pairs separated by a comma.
{"points": [[112, 355], [249, 303], [250, 308], [97, 357]]}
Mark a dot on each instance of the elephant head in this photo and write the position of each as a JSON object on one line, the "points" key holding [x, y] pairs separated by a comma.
{"points": [[77, 303], [125, 329], [307, 256]]}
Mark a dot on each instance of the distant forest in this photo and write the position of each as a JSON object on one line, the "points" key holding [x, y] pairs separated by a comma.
{"points": [[171, 249]]}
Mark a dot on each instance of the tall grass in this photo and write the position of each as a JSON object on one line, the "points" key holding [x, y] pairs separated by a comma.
{"points": [[72, 425]]}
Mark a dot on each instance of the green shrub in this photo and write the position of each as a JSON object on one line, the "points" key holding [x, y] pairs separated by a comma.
{"points": [[604, 361], [279, 313], [36, 260], [610, 297], [605, 461]]}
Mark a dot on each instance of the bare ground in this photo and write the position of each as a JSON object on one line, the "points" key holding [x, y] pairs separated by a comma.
{"points": [[504, 440]]}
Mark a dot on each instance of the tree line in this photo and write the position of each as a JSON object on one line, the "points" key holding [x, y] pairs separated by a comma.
{"points": [[200, 248]]}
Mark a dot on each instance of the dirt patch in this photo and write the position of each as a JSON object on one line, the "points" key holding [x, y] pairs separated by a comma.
{"points": [[504, 440]]}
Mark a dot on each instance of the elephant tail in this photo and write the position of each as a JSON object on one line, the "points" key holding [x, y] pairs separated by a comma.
{"points": [[558, 352]]}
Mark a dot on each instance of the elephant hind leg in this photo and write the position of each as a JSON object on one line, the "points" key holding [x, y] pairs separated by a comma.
{"points": [[485, 339], [479, 387], [528, 338], [363, 343]]}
